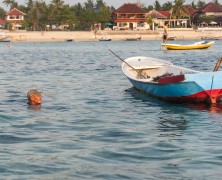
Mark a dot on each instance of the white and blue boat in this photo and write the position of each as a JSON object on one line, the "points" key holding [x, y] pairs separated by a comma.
{"points": [[168, 82]]}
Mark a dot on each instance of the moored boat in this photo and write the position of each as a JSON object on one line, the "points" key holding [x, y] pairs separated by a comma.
{"points": [[5, 38], [168, 82], [68, 40], [105, 39], [197, 45], [133, 38], [209, 38]]}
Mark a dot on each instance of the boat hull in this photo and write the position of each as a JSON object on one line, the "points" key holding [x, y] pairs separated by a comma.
{"points": [[189, 90], [105, 39], [188, 47], [6, 39]]}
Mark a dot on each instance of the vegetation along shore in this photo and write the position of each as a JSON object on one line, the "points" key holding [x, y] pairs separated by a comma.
{"points": [[89, 21]]}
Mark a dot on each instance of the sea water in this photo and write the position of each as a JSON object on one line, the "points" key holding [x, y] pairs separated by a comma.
{"points": [[93, 124]]}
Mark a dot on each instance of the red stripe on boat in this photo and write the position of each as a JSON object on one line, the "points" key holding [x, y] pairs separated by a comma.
{"points": [[204, 96]]}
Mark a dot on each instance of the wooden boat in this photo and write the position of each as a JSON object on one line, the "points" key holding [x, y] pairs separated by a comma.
{"points": [[197, 45], [68, 40], [105, 39], [171, 38], [133, 38], [5, 38], [209, 38], [168, 82]]}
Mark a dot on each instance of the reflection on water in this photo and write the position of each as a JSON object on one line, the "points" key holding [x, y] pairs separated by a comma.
{"points": [[34, 108], [171, 121], [141, 96], [212, 108], [93, 124]]}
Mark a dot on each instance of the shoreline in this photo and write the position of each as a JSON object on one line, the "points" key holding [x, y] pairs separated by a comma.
{"points": [[59, 36]]}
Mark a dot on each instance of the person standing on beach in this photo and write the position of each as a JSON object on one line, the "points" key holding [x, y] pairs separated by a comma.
{"points": [[165, 33]]}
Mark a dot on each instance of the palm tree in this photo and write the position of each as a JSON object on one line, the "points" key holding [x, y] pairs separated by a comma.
{"points": [[36, 15], [178, 11], [10, 3], [58, 5]]}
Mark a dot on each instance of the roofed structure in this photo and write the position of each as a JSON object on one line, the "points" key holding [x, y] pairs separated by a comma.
{"points": [[15, 12], [189, 10], [15, 17], [129, 8], [129, 16], [211, 7], [165, 13], [158, 14]]}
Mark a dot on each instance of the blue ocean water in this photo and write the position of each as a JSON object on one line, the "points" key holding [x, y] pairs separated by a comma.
{"points": [[93, 124]]}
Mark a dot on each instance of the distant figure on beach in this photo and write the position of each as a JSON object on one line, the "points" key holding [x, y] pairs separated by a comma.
{"points": [[165, 33], [34, 97]]}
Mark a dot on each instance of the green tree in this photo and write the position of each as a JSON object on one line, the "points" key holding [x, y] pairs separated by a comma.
{"points": [[89, 14], [57, 9], [206, 19], [89, 5], [36, 15], [2, 12], [216, 2], [149, 8], [11, 3], [67, 18], [193, 5], [200, 4], [102, 12], [157, 5], [149, 21], [167, 6], [178, 11]]}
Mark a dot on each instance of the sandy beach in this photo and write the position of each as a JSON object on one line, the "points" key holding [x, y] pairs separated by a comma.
{"points": [[56, 36]]}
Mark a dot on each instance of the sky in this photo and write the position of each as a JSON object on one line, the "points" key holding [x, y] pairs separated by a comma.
{"points": [[115, 3]]}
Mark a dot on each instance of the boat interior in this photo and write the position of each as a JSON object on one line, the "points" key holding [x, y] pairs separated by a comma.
{"points": [[152, 73]]}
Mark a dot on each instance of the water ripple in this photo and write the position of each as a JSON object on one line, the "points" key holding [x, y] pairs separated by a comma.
{"points": [[93, 124]]}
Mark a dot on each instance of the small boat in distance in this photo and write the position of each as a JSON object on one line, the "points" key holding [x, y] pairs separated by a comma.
{"points": [[5, 38], [133, 38], [171, 38], [168, 82], [68, 40], [197, 45], [210, 38], [104, 38]]}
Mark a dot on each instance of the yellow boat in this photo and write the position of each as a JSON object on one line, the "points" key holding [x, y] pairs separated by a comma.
{"points": [[197, 45]]}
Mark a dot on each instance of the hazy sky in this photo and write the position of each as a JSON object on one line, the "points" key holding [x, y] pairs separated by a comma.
{"points": [[115, 3]]}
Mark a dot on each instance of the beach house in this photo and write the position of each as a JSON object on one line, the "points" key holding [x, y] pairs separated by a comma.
{"points": [[129, 17], [209, 15], [15, 18], [158, 17]]}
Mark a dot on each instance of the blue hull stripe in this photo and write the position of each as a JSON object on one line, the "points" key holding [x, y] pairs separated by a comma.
{"points": [[194, 83]]}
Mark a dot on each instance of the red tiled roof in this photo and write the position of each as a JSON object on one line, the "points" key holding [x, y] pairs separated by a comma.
{"points": [[165, 13], [130, 8], [15, 12], [211, 7], [155, 14], [189, 10]]}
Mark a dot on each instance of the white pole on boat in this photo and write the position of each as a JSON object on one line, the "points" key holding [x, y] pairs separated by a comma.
{"points": [[219, 61], [127, 63]]}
